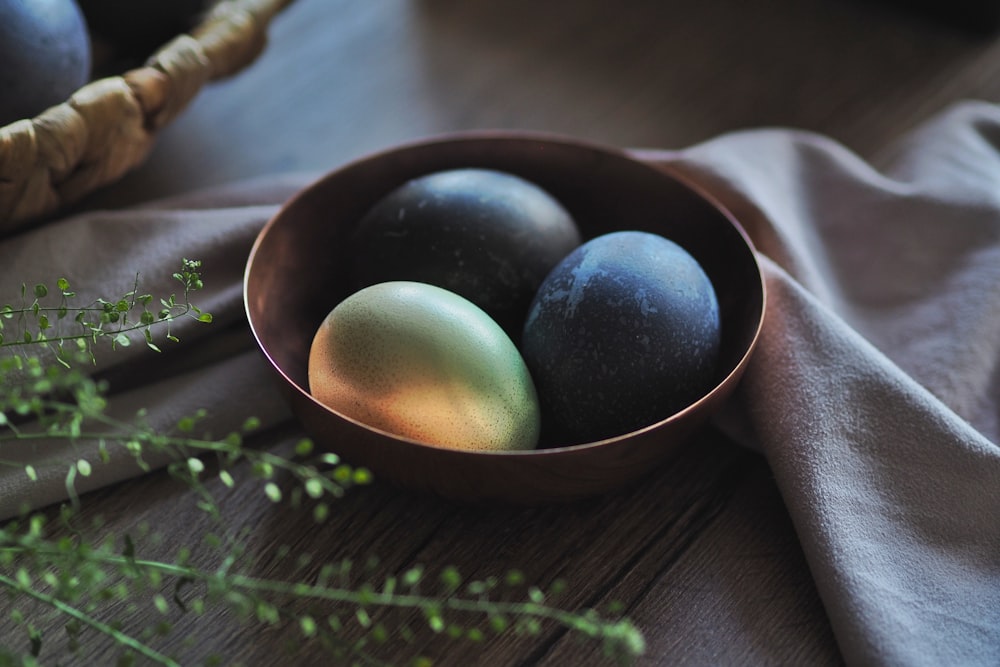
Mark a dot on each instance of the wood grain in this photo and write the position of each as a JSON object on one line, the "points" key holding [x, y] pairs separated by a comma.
{"points": [[702, 553], [340, 79]]}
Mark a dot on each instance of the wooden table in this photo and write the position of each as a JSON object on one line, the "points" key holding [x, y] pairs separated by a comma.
{"points": [[702, 553]]}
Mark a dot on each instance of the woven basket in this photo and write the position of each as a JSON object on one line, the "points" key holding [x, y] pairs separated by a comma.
{"points": [[108, 127]]}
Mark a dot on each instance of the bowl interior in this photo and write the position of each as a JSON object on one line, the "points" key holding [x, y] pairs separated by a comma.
{"points": [[297, 272]]}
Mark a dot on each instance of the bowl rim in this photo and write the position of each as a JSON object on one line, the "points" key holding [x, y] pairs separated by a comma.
{"points": [[492, 134]]}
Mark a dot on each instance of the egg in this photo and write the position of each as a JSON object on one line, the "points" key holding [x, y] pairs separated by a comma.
{"points": [[623, 333], [424, 363], [487, 235], [44, 55]]}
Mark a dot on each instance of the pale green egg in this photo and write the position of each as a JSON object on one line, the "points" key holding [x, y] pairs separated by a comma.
{"points": [[422, 362]]}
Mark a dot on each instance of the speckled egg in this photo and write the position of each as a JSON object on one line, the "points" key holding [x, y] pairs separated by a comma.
{"points": [[424, 363], [624, 332], [487, 235]]}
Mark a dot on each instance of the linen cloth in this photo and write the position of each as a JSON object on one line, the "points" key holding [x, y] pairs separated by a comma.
{"points": [[874, 393]]}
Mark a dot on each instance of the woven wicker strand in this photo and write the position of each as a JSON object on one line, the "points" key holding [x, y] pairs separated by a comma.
{"points": [[108, 127]]}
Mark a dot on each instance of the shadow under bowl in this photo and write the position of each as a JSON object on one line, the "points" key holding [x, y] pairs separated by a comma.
{"points": [[297, 272]]}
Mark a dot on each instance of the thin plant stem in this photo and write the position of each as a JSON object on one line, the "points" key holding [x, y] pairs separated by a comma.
{"points": [[72, 612]]}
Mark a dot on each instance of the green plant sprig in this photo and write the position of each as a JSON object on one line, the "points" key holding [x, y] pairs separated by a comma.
{"points": [[103, 318], [66, 405], [83, 618], [254, 597], [73, 575]]}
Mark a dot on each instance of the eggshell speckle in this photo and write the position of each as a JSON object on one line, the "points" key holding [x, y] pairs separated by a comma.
{"points": [[422, 362], [624, 332], [487, 235]]}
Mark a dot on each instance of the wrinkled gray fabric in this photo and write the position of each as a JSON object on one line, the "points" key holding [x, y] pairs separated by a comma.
{"points": [[874, 392], [214, 366]]}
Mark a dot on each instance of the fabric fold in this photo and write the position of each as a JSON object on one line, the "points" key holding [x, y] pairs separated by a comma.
{"points": [[213, 367], [894, 497], [875, 390]]}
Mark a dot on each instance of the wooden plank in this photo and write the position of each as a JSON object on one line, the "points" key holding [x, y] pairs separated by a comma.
{"points": [[702, 545], [340, 79]]}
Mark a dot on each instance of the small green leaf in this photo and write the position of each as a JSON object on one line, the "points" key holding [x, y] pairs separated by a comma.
{"points": [[41, 291], [304, 447], [451, 578], [205, 317], [195, 465], [273, 492], [267, 613], [263, 469], [83, 467], [413, 576], [314, 488], [435, 622], [514, 578]]}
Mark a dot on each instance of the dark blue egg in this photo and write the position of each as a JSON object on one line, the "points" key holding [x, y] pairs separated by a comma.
{"points": [[44, 55], [621, 334], [486, 235]]}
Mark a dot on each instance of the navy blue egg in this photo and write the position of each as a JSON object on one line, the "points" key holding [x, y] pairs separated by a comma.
{"points": [[487, 235], [44, 55], [621, 334]]}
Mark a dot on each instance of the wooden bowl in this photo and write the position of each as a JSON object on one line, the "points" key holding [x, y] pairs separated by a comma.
{"points": [[297, 272]]}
